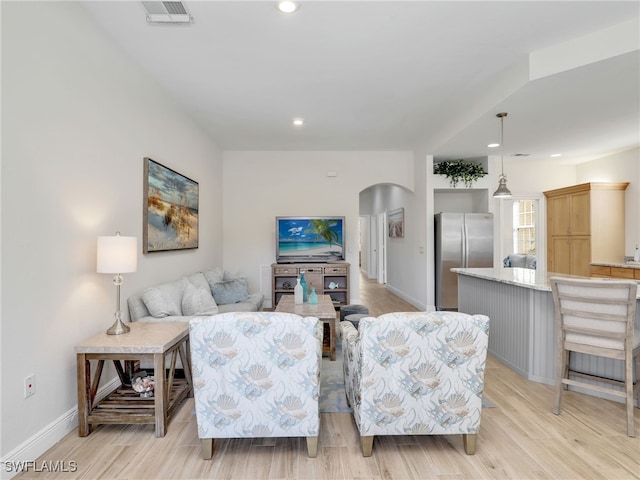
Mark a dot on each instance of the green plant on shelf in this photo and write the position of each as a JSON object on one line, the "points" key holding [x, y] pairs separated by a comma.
{"points": [[459, 170]]}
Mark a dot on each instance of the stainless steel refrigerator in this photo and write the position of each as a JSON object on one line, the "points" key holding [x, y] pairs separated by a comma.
{"points": [[462, 240]]}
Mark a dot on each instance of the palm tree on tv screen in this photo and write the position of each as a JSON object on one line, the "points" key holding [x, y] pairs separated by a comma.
{"points": [[322, 228]]}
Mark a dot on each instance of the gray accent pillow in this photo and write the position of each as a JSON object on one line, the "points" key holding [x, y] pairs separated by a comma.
{"points": [[232, 291], [137, 308], [198, 301], [165, 300]]}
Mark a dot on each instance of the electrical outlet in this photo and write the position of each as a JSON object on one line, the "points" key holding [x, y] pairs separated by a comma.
{"points": [[29, 385]]}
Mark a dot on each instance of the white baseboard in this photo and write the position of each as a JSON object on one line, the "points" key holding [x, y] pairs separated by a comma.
{"points": [[419, 305], [38, 444], [265, 285]]}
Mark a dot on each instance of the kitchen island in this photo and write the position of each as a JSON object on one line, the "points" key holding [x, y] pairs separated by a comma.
{"points": [[522, 332]]}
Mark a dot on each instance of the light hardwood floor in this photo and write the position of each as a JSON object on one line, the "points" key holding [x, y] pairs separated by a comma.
{"points": [[519, 439]]}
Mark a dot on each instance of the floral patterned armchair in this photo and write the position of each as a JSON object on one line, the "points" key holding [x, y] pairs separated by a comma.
{"points": [[416, 373], [256, 374]]}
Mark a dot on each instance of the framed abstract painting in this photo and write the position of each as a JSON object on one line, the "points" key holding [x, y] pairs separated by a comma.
{"points": [[170, 209]]}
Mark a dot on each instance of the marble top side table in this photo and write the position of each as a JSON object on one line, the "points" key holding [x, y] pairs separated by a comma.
{"points": [[157, 341]]}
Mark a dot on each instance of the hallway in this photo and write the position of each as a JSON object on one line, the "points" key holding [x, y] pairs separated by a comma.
{"points": [[378, 299]]}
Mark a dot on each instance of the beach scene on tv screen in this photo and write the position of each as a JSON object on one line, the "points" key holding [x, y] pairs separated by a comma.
{"points": [[310, 237]]}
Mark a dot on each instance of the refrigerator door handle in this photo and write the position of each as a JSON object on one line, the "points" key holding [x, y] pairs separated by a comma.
{"points": [[465, 247]]}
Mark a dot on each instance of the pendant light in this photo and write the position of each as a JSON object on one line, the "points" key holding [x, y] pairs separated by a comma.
{"points": [[502, 191]]}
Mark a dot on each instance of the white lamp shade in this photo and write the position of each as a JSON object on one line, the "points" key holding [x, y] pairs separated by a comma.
{"points": [[117, 254]]}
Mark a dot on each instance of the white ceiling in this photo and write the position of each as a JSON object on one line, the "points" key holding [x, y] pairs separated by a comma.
{"points": [[374, 75]]}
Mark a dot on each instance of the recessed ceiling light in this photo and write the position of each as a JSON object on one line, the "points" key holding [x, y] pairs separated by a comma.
{"points": [[287, 6], [493, 145], [298, 122], [554, 155]]}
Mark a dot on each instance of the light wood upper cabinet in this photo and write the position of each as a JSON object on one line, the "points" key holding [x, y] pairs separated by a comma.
{"points": [[559, 215], [585, 223], [580, 218], [566, 214]]}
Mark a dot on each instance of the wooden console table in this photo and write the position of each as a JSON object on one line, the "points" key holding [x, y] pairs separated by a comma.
{"points": [[327, 278], [157, 341], [323, 310]]}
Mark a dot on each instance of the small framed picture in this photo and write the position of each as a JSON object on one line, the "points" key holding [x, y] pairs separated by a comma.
{"points": [[396, 223]]}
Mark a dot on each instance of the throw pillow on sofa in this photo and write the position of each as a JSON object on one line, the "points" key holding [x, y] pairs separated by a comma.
{"points": [[232, 291], [165, 300], [213, 276], [198, 301], [227, 275], [198, 280]]}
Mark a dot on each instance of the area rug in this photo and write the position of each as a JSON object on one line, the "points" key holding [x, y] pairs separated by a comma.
{"points": [[332, 396]]}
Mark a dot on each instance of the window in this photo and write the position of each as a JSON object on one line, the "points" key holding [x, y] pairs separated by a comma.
{"points": [[524, 226]]}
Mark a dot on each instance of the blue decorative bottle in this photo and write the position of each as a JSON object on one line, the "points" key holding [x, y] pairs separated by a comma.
{"points": [[313, 297], [303, 282]]}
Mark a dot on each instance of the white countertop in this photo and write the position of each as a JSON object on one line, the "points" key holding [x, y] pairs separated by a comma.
{"points": [[618, 265], [521, 277]]}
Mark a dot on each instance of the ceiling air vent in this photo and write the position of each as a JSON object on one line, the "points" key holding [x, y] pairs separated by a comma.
{"points": [[166, 12], [520, 154]]}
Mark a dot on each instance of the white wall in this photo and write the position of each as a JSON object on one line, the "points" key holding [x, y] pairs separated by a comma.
{"points": [[262, 185], [365, 242], [421, 253], [622, 167], [532, 179], [78, 117]]}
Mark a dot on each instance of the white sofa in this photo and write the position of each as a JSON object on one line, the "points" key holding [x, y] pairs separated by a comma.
{"points": [[517, 260], [200, 294]]}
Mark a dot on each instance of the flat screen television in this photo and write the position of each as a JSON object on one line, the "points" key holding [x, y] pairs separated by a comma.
{"points": [[309, 239]]}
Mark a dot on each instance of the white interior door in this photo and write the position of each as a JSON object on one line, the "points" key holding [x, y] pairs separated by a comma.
{"points": [[382, 248], [373, 247], [363, 247]]}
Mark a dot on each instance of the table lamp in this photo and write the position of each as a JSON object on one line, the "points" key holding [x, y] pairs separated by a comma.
{"points": [[117, 255]]}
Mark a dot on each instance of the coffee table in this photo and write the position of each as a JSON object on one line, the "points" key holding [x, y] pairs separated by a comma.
{"points": [[156, 341], [324, 311]]}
